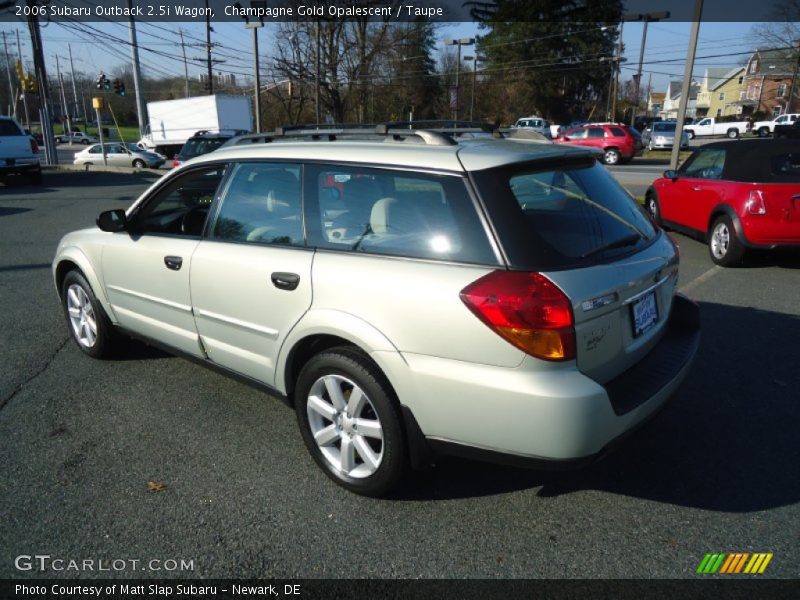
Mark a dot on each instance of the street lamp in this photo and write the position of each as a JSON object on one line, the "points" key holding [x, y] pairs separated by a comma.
{"points": [[459, 42], [647, 18], [474, 60], [255, 25]]}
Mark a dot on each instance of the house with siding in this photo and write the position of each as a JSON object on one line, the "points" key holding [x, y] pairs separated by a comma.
{"points": [[768, 76], [672, 99], [719, 91]]}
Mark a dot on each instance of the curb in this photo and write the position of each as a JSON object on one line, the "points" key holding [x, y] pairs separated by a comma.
{"points": [[104, 169]]}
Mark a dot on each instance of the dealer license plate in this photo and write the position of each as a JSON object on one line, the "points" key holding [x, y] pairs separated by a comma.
{"points": [[645, 313]]}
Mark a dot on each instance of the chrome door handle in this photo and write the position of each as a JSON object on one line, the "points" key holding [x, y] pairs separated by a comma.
{"points": [[697, 189]]}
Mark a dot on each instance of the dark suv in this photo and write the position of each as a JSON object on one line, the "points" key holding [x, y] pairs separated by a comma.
{"points": [[202, 142], [619, 143]]}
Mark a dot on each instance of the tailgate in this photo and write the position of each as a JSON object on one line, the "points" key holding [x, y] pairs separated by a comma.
{"points": [[14, 146], [621, 308]]}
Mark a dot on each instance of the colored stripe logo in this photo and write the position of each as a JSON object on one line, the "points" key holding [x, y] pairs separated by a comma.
{"points": [[730, 563]]}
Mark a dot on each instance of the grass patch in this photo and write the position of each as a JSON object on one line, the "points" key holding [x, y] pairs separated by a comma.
{"points": [[665, 155]]}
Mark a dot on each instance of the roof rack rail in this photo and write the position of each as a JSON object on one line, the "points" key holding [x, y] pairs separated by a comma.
{"points": [[333, 132]]}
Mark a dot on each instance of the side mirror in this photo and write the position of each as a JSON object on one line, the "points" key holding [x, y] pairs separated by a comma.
{"points": [[670, 174], [112, 220]]}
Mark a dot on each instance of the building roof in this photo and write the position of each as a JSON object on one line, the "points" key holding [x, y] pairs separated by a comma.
{"points": [[730, 74], [674, 89], [657, 96], [775, 63]]}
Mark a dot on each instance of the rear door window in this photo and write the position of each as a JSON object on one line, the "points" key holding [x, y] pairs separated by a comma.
{"points": [[562, 216], [705, 164], [396, 213], [9, 128]]}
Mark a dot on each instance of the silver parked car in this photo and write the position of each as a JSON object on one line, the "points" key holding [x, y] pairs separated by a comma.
{"points": [[409, 293], [119, 154], [661, 136]]}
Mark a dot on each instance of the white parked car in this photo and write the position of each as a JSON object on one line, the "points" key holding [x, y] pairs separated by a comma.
{"points": [[409, 293], [119, 154], [537, 124], [710, 126], [77, 137]]}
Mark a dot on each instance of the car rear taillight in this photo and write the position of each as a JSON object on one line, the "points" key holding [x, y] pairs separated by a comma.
{"points": [[755, 203], [527, 309], [176, 162], [34, 146]]}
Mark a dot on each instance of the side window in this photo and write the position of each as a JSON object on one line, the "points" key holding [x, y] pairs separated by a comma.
{"points": [[786, 166], [395, 213], [261, 204], [8, 127], [577, 134], [596, 132], [706, 164], [617, 132], [95, 149], [181, 207]]}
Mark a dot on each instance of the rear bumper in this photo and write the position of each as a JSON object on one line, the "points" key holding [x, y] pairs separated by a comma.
{"points": [[545, 419], [19, 165]]}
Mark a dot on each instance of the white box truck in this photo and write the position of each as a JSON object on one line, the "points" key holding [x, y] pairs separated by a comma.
{"points": [[172, 122]]}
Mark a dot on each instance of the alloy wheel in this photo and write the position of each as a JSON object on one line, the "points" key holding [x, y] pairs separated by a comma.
{"points": [[345, 426], [720, 240], [81, 316]]}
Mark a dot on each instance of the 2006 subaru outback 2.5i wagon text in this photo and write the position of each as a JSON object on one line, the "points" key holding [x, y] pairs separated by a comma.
{"points": [[408, 292]]}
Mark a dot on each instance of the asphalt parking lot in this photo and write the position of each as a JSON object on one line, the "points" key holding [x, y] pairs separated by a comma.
{"points": [[80, 440]]}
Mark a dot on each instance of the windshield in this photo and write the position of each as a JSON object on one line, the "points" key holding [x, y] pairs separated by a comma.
{"points": [[562, 216]]}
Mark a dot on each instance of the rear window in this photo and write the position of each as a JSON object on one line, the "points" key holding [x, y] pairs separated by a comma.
{"points": [[785, 167], [9, 128], [664, 127], [558, 217]]}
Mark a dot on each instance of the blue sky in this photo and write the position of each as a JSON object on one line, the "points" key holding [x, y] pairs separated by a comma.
{"points": [[667, 43]]}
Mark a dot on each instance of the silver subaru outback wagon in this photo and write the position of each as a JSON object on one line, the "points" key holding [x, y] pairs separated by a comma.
{"points": [[411, 293]]}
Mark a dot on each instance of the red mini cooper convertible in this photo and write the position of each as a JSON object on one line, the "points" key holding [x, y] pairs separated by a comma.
{"points": [[737, 195]]}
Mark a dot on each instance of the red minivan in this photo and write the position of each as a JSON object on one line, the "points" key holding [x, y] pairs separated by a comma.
{"points": [[736, 195]]}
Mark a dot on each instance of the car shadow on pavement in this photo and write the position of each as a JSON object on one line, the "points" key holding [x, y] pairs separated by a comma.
{"points": [[728, 440], [782, 258]]}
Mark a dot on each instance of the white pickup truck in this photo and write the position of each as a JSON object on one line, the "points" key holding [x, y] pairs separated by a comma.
{"points": [[19, 154], [765, 128], [710, 126]]}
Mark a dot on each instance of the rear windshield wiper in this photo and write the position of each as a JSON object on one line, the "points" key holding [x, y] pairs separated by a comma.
{"points": [[628, 240]]}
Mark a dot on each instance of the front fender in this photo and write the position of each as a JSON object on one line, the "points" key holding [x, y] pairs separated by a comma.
{"points": [[76, 256]]}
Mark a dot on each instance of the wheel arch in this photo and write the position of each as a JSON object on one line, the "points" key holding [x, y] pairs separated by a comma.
{"points": [[725, 209], [322, 329], [71, 259]]}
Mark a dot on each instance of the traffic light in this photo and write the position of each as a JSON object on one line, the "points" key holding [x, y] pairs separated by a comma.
{"points": [[116, 84], [121, 88], [106, 83], [29, 85], [101, 82], [20, 72]]}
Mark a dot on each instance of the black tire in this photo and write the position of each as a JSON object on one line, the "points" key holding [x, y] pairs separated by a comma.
{"points": [[611, 156], [691, 134], [107, 338], [653, 207], [342, 367], [85, 142], [763, 132], [732, 133], [139, 164], [724, 246]]}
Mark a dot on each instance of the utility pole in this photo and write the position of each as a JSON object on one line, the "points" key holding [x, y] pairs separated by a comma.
{"points": [[64, 100], [12, 97], [687, 82], [51, 156], [141, 109], [790, 103], [74, 90], [208, 50], [316, 76], [185, 66], [474, 60], [24, 93], [647, 18], [459, 43]]}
